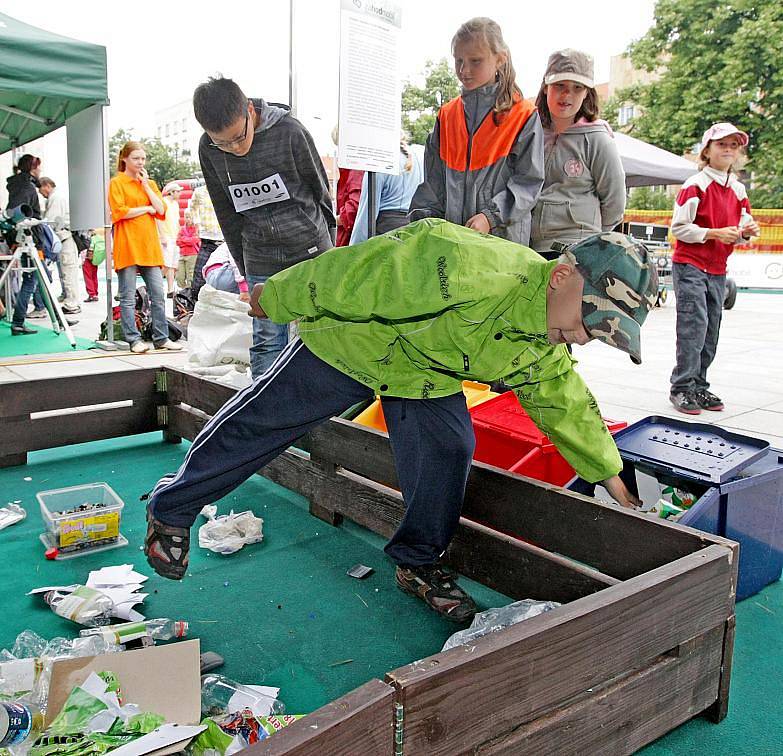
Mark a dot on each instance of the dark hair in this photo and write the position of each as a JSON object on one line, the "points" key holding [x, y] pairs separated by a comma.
{"points": [[589, 109], [488, 32], [218, 103], [46, 181], [27, 163]]}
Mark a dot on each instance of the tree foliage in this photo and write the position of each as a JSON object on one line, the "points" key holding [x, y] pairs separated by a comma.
{"points": [[163, 163], [646, 198], [718, 62], [420, 105]]}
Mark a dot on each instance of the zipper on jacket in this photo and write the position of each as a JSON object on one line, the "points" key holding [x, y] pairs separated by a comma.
{"points": [[467, 158]]}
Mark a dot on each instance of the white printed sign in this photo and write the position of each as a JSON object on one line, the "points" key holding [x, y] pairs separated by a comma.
{"points": [[756, 270], [258, 193], [370, 107]]}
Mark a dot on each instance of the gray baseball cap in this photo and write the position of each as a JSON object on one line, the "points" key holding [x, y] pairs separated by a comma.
{"points": [[570, 65]]}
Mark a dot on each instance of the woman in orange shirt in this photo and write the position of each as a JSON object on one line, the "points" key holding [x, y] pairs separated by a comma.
{"points": [[135, 202]]}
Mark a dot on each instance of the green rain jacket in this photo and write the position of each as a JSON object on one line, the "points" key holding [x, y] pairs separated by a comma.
{"points": [[416, 311]]}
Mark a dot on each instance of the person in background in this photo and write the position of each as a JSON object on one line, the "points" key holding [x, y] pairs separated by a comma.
{"points": [[168, 230], [711, 215], [209, 232], [58, 214], [269, 189], [349, 189], [189, 243], [394, 194], [136, 202], [23, 190], [484, 160], [584, 185], [221, 273], [93, 258]]}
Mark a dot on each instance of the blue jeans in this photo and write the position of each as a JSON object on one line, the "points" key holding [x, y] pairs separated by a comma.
{"points": [[223, 279], [153, 279], [38, 300], [28, 288], [269, 338]]}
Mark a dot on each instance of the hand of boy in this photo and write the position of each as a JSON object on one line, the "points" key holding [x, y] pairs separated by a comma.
{"points": [[256, 310], [479, 222]]}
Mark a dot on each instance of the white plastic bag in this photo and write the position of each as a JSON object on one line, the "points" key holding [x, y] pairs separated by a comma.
{"points": [[11, 514], [229, 533], [220, 331], [493, 620]]}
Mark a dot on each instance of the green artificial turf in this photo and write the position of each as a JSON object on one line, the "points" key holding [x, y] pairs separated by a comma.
{"points": [[46, 341], [282, 612]]}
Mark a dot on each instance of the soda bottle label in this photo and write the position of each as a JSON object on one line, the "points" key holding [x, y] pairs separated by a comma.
{"points": [[20, 723]]}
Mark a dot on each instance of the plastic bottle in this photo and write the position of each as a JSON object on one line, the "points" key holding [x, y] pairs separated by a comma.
{"points": [[220, 695], [20, 723], [159, 629], [745, 219]]}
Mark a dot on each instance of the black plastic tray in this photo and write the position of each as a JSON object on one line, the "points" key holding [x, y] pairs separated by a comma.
{"points": [[700, 452]]}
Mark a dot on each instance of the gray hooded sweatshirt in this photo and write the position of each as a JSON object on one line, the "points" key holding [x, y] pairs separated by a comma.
{"points": [[273, 204], [584, 185]]}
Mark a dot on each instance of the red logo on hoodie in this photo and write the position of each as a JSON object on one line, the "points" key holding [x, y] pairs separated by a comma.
{"points": [[573, 168]]}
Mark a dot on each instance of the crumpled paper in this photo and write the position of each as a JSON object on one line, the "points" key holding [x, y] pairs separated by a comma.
{"points": [[11, 514], [229, 533]]}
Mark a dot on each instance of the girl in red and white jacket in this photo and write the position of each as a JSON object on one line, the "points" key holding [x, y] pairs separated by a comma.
{"points": [[711, 215]]}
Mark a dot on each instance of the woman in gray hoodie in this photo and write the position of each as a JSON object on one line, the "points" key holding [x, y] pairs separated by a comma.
{"points": [[584, 184]]}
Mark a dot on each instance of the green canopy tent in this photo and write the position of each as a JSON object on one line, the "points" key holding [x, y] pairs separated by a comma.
{"points": [[44, 80], [48, 81]]}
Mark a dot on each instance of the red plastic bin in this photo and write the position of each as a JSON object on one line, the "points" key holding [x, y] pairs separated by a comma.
{"points": [[506, 437]]}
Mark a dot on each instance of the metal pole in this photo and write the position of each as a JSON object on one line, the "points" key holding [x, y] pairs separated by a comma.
{"points": [[110, 343], [291, 60], [372, 203]]}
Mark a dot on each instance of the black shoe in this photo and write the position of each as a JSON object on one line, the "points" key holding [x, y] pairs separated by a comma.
{"points": [[91, 299], [437, 587], [71, 310], [708, 401], [166, 548], [22, 330], [685, 401]]}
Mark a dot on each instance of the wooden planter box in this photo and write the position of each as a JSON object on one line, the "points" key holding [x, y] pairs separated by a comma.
{"points": [[643, 643]]}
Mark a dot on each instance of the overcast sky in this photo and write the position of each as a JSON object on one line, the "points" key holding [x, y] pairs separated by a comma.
{"points": [[159, 51]]}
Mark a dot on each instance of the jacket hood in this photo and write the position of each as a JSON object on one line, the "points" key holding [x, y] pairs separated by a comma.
{"points": [[270, 113], [583, 126], [18, 180]]}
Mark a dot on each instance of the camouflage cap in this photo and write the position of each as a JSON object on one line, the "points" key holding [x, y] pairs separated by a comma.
{"points": [[620, 288]]}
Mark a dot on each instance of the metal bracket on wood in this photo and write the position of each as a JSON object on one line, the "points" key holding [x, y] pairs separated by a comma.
{"points": [[399, 715], [160, 381], [163, 415]]}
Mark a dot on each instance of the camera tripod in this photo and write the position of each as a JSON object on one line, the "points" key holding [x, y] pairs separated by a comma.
{"points": [[26, 260]]}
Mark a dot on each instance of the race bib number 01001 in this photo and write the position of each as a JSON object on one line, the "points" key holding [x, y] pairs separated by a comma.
{"points": [[259, 193]]}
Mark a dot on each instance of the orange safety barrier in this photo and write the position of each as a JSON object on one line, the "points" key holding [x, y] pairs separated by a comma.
{"points": [[771, 222]]}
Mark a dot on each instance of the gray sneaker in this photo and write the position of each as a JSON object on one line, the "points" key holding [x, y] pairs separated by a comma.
{"points": [[37, 314]]}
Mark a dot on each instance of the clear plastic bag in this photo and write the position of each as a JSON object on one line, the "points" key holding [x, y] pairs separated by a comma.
{"points": [[493, 620], [11, 514], [229, 533]]}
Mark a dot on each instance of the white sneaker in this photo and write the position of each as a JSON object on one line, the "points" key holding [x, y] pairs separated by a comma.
{"points": [[139, 347], [172, 346]]}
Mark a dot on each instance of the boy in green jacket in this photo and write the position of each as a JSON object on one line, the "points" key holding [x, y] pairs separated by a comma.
{"points": [[409, 315]]}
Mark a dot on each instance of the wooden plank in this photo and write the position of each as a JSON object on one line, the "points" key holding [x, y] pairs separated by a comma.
{"points": [[500, 562], [184, 423], [524, 671], [27, 434], [18, 399], [360, 722], [616, 542], [719, 710], [203, 394], [13, 460], [623, 716]]}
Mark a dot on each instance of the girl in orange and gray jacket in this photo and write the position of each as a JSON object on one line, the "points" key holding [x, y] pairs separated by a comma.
{"points": [[484, 160]]}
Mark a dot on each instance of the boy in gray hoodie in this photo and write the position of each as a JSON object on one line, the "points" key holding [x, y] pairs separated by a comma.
{"points": [[269, 189], [584, 184]]}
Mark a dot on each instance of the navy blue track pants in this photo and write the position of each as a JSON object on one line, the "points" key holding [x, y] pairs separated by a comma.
{"points": [[432, 441]]}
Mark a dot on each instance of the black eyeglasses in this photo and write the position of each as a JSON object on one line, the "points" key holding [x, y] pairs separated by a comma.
{"points": [[238, 140]]}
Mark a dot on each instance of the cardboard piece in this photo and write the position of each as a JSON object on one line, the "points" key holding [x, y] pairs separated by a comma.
{"points": [[162, 679]]}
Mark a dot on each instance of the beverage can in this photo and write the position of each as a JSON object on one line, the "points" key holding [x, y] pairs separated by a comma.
{"points": [[16, 723]]}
